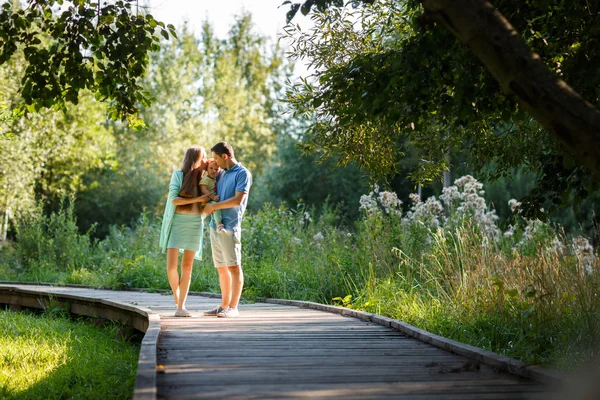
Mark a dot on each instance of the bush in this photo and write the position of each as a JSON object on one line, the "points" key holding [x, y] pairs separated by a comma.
{"points": [[53, 241]]}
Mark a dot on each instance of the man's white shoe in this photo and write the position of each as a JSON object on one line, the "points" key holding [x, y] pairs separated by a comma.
{"points": [[229, 313]]}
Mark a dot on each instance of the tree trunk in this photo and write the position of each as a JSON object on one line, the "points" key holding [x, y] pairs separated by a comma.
{"points": [[4, 228], [447, 174], [523, 75]]}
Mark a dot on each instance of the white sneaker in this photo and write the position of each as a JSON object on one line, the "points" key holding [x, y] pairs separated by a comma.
{"points": [[229, 313]]}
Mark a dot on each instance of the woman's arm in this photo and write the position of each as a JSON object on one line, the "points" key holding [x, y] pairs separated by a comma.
{"points": [[180, 201]]}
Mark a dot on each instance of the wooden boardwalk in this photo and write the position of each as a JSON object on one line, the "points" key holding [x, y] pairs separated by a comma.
{"points": [[276, 351]]}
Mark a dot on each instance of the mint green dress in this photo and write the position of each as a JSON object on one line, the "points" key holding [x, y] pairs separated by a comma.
{"points": [[189, 232]]}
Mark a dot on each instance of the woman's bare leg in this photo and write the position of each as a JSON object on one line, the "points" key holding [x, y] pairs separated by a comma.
{"points": [[186, 277], [172, 273]]}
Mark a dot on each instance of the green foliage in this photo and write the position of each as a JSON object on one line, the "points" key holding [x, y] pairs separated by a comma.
{"points": [[97, 46], [273, 237], [293, 175], [239, 100], [44, 156], [204, 89], [381, 80], [49, 356], [132, 258], [116, 172], [53, 241], [116, 197], [208, 89]]}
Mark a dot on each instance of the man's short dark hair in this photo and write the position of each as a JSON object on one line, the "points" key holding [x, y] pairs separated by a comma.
{"points": [[223, 148]]}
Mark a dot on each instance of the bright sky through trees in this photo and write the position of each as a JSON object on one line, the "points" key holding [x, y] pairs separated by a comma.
{"points": [[268, 16]]}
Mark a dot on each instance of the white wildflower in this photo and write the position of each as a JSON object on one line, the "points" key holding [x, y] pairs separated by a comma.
{"points": [[514, 205], [307, 217], [295, 240], [556, 246], [318, 237], [430, 213], [415, 198], [368, 203], [585, 254], [390, 203], [377, 201], [449, 195]]}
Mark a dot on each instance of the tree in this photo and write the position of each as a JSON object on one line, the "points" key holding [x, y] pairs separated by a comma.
{"points": [[204, 89], [243, 77], [99, 46], [521, 73], [383, 76], [292, 176], [45, 155]]}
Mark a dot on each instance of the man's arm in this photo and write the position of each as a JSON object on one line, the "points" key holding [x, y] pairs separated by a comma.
{"points": [[229, 203]]}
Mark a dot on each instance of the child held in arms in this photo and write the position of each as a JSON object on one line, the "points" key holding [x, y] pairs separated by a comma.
{"points": [[208, 185]]}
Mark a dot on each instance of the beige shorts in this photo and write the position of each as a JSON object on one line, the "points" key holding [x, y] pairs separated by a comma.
{"points": [[226, 248]]}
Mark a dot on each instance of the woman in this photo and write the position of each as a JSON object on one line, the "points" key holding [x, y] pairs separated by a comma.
{"points": [[182, 226]]}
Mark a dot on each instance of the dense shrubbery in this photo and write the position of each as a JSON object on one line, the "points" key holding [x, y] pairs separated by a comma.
{"points": [[444, 265]]}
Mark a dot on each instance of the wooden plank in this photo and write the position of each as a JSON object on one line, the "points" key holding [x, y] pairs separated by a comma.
{"points": [[182, 355], [196, 344], [268, 376], [442, 362], [406, 391]]}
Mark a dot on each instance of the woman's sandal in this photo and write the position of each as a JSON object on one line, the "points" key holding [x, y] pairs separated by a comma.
{"points": [[182, 313]]}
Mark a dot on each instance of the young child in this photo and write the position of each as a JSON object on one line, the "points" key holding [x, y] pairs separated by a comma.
{"points": [[208, 185]]}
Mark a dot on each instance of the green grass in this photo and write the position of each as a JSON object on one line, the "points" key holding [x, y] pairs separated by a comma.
{"points": [[50, 356]]}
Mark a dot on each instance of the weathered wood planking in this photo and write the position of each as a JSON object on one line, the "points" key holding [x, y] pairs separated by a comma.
{"points": [[288, 352], [279, 351]]}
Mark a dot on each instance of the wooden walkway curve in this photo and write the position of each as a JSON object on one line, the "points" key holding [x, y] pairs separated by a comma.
{"points": [[278, 351]]}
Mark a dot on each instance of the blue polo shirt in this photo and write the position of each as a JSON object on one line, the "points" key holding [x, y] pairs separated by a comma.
{"points": [[229, 181]]}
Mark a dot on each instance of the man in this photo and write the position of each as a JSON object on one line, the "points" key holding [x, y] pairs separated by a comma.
{"points": [[233, 184]]}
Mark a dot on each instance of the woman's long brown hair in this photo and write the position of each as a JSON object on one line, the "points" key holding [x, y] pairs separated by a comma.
{"points": [[191, 173]]}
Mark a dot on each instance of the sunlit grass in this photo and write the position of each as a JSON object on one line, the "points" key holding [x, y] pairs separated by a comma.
{"points": [[53, 357]]}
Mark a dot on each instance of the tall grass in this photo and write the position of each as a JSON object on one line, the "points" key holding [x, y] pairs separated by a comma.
{"points": [[529, 292]]}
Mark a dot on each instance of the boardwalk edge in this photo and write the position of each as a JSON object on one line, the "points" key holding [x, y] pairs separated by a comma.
{"points": [[487, 357]]}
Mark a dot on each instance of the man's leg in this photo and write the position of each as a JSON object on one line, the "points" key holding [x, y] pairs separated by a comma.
{"points": [[237, 284], [226, 284], [224, 277]]}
